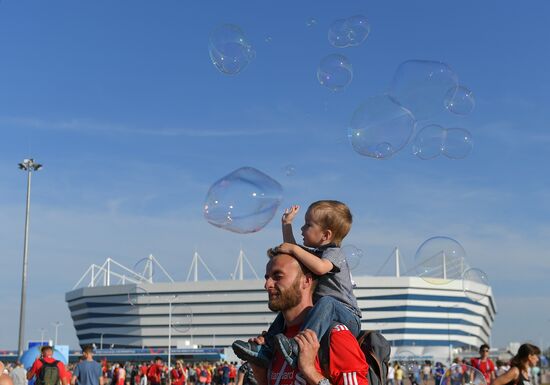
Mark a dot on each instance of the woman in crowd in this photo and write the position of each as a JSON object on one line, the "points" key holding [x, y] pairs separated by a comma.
{"points": [[527, 357]]}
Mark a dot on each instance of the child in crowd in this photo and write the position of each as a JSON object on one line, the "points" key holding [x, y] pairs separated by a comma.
{"points": [[326, 224]]}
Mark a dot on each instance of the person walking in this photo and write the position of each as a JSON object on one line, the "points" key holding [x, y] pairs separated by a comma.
{"points": [[88, 371], [519, 373]]}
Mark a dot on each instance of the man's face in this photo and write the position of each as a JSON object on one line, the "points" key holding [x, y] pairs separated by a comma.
{"points": [[283, 282], [47, 353], [484, 352]]}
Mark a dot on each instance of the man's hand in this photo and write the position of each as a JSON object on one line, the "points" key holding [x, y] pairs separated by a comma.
{"points": [[289, 214], [309, 347], [287, 248]]}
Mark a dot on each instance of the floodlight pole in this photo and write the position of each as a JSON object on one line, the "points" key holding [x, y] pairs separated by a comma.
{"points": [[29, 166], [56, 324]]}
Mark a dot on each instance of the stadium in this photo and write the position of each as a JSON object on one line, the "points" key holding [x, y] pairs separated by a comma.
{"points": [[116, 307]]}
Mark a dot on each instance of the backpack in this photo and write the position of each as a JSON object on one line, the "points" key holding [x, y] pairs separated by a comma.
{"points": [[49, 373], [377, 354]]}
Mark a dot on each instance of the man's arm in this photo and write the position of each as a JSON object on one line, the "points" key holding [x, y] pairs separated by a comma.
{"points": [[318, 266], [288, 217]]}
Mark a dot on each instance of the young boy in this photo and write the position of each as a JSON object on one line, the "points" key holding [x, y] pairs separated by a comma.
{"points": [[326, 224]]}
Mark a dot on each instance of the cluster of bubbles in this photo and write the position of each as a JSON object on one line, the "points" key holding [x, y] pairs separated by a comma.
{"points": [[459, 374], [420, 90], [440, 260], [434, 140], [349, 32], [229, 50], [243, 201]]}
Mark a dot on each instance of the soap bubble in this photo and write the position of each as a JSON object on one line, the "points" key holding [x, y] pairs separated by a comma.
{"points": [[440, 260], [229, 50], [428, 142], [311, 22], [348, 32], [460, 100], [379, 127], [148, 271], [421, 86], [182, 317], [268, 39], [335, 72], [475, 284], [289, 170], [243, 201], [353, 255], [457, 143], [459, 374], [406, 360], [138, 296]]}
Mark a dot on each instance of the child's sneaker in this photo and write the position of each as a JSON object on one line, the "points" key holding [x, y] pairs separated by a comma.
{"points": [[288, 348], [256, 354]]}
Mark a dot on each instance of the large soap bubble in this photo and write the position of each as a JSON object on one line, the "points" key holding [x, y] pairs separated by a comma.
{"points": [[229, 50], [459, 374], [243, 201], [475, 284], [428, 142], [421, 86], [353, 256], [460, 100], [379, 127], [440, 260], [335, 72], [348, 32], [458, 143], [182, 317]]}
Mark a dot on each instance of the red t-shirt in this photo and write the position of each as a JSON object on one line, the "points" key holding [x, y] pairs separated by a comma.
{"points": [[232, 372], [347, 361], [485, 367], [153, 374], [37, 367]]}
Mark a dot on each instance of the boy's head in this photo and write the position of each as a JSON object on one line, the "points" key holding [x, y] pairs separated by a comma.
{"points": [[326, 221]]}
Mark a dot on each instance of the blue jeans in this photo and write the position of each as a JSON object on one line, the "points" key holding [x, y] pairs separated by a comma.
{"points": [[326, 311]]}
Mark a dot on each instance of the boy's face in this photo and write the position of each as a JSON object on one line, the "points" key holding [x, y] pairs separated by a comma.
{"points": [[312, 232]]}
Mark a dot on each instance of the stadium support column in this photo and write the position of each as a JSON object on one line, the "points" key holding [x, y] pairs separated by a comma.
{"points": [[29, 166]]}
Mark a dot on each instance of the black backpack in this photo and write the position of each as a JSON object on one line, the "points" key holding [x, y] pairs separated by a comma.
{"points": [[377, 354], [49, 373]]}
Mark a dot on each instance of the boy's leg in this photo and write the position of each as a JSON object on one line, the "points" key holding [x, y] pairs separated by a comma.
{"points": [[260, 354], [320, 318]]}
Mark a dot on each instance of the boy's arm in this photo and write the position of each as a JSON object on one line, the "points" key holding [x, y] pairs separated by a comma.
{"points": [[288, 217], [316, 265]]}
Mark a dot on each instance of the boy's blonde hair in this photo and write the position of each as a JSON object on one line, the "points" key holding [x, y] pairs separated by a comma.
{"points": [[334, 216]]}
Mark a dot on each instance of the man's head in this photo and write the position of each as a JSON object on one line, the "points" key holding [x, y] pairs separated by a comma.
{"points": [[484, 350], [289, 284], [158, 360], [47, 351], [87, 351], [5, 379], [326, 221]]}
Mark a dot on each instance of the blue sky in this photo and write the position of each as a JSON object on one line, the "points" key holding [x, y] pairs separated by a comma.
{"points": [[133, 123]]}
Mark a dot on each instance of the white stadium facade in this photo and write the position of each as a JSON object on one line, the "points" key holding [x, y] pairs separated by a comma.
{"points": [[113, 306]]}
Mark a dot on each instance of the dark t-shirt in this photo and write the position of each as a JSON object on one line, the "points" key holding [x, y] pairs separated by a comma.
{"points": [[87, 373]]}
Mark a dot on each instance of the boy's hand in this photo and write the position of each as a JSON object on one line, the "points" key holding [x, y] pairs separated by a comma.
{"points": [[289, 214], [286, 248]]}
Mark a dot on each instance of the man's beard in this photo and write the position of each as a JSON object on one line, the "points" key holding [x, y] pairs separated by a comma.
{"points": [[286, 299]]}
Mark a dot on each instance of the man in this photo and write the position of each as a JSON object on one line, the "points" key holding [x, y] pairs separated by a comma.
{"points": [[155, 372], [290, 289], [484, 364], [4, 378], [19, 374], [48, 370], [87, 372]]}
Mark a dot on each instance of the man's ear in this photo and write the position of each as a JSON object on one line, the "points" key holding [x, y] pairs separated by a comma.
{"points": [[308, 280]]}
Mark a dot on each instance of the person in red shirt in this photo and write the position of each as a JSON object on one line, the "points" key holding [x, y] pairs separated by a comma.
{"points": [[178, 374], [47, 359], [484, 364], [290, 288], [154, 372]]}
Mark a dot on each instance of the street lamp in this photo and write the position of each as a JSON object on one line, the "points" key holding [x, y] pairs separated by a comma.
{"points": [[56, 324], [29, 166], [101, 340]]}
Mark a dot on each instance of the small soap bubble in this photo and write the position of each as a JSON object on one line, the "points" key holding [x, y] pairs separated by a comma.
{"points": [[311, 22], [421, 86], [229, 49], [138, 296], [440, 260], [457, 143], [268, 39], [428, 142], [379, 128], [406, 360], [243, 201], [460, 374], [289, 170], [348, 32], [353, 256], [460, 100], [338, 34], [182, 317], [335, 72], [475, 284], [148, 271]]}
